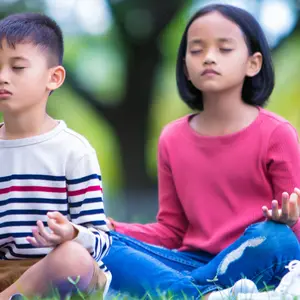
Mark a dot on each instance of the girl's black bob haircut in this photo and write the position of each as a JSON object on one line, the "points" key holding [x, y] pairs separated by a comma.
{"points": [[256, 90]]}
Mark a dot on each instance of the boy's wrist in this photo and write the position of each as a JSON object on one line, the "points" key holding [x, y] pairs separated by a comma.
{"points": [[75, 232]]}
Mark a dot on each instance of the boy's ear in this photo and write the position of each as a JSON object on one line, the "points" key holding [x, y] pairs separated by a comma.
{"points": [[57, 77]]}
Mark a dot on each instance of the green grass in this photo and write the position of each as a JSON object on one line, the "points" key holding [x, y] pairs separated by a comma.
{"points": [[122, 297], [99, 295]]}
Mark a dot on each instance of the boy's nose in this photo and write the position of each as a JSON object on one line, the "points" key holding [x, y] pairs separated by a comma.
{"points": [[4, 76]]}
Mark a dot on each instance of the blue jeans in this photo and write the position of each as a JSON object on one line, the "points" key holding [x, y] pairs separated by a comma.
{"points": [[260, 254]]}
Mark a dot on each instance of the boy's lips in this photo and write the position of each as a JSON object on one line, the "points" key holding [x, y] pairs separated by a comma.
{"points": [[4, 94]]}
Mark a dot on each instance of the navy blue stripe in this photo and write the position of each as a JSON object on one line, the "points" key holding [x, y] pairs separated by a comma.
{"points": [[25, 246], [33, 177], [15, 235], [83, 179], [86, 201], [8, 243], [33, 200], [98, 223], [104, 249], [27, 212], [100, 250], [20, 223], [96, 232], [103, 268], [96, 249], [87, 213], [18, 246], [10, 250]]}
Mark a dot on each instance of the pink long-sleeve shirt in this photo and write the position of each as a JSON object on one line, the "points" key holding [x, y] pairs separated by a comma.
{"points": [[212, 188]]}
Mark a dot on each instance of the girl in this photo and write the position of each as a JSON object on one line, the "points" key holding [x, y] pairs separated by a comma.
{"points": [[216, 169]]}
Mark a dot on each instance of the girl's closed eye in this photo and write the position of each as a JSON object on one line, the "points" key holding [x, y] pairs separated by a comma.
{"points": [[196, 51]]}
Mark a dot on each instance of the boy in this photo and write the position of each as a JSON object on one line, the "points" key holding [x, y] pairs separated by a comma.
{"points": [[52, 221]]}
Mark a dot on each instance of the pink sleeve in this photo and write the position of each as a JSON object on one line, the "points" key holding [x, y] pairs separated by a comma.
{"points": [[284, 163], [296, 229], [171, 221]]}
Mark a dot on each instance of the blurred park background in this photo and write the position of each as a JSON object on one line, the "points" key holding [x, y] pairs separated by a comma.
{"points": [[120, 89]]}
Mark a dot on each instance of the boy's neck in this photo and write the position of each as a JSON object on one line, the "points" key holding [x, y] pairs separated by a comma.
{"points": [[25, 125], [224, 113]]}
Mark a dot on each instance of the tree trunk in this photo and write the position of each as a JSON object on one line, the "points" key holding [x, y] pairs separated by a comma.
{"points": [[131, 121]]}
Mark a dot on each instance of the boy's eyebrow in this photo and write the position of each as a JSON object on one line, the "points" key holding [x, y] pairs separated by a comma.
{"points": [[19, 58]]}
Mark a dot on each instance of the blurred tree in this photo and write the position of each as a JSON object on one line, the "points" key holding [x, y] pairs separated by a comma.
{"points": [[8, 7], [139, 24]]}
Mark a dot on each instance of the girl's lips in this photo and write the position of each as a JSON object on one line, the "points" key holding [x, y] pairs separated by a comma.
{"points": [[210, 72]]}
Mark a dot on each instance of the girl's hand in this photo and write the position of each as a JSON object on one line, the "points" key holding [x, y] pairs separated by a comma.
{"points": [[110, 224], [289, 212], [61, 230]]}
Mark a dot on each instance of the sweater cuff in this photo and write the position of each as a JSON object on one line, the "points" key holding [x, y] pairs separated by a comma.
{"points": [[84, 237]]}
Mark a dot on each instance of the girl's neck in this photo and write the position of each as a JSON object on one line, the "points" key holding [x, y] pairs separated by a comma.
{"points": [[218, 108], [26, 124], [224, 114]]}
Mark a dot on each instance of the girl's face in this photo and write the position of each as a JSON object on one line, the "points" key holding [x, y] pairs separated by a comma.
{"points": [[217, 57]]}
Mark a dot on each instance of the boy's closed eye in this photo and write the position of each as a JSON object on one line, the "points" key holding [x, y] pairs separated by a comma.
{"points": [[18, 68], [225, 49]]}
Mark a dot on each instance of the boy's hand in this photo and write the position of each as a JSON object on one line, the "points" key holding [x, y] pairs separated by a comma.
{"points": [[61, 230], [289, 212]]}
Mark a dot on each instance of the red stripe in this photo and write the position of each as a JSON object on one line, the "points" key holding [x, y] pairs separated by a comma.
{"points": [[33, 189], [84, 191]]}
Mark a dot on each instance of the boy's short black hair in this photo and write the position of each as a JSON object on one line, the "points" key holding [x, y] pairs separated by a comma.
{"points": [[37, 29], [257, 89]]}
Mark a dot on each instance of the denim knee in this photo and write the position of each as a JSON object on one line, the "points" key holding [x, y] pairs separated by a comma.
{"points": [[277, 236]]}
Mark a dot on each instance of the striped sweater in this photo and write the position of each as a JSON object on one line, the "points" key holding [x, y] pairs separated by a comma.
{"points": [[55, 171]]}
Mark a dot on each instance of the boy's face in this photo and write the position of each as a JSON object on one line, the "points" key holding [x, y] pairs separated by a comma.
{"points": [[25, 77]]}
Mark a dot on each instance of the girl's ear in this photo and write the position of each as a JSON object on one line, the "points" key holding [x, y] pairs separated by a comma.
{"points": [[254, 64]]}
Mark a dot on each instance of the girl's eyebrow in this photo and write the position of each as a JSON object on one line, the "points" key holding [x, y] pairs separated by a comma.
{"points": [[196, 42], [221, 40], [225, 40]]}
